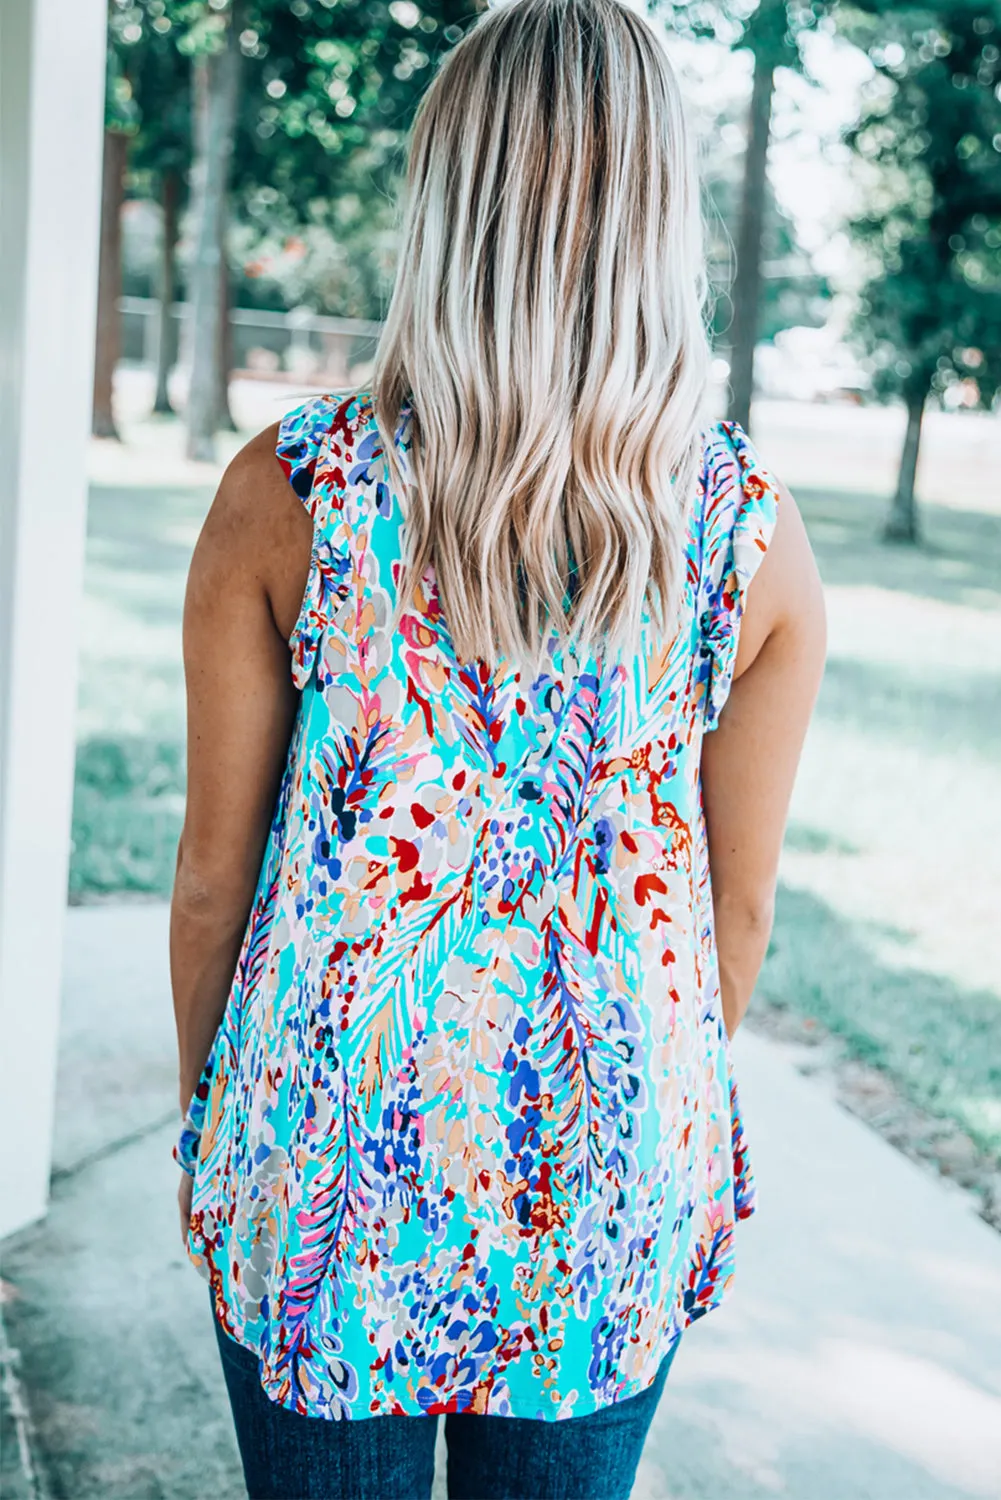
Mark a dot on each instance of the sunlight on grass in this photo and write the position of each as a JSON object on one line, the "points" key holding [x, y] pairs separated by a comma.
{"points": [[129, 795], [127, 812], [891, 872]]}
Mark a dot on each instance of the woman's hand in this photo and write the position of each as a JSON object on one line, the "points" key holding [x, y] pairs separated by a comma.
{"points": [[184, 1190]]}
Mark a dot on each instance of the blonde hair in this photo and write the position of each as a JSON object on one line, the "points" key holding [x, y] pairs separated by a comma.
{"points": [[546, 331]]}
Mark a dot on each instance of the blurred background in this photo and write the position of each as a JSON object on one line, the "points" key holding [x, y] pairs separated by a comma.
{"points": [[217, 240]]}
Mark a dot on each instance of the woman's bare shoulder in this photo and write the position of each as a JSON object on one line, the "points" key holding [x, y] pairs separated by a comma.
{"points": [[254, 484], [785, 594], [258, 531]]}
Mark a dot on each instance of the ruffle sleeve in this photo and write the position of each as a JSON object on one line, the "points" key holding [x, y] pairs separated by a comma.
{"points": [[740, 511], [310, 449]]}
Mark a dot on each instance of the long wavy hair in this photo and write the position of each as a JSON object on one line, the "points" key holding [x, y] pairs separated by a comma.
{"points": [[546, 330]]}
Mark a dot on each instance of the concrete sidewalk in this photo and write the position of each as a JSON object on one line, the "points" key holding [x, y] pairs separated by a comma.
{"points": [[858, 1358]]}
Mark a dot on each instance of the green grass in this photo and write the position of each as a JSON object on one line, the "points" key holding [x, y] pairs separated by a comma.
{"points": [[941, 1043], [128, 800], [891, 875], [887, 910], [128, 806]]}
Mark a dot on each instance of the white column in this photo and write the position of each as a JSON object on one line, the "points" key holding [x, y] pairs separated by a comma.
{"points": [[52, 59]]}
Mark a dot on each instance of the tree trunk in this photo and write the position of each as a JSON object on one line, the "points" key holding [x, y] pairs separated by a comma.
{"points": [[216, 89], [902, 522], [224, 417], [166, 344], [109, 284], [747, 282]]}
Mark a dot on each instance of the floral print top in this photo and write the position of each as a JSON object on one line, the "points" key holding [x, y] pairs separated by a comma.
{"points": [[467, 1138]]}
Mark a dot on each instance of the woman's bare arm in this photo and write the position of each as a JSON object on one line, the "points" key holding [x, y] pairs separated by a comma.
{"points": [[749, 761], [244, 592]]}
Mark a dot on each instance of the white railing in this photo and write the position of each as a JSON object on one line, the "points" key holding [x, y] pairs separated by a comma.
{"points": [[299, 341]]}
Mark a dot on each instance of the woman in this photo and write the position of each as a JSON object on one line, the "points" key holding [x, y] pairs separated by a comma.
{"points": [[491, 743]]}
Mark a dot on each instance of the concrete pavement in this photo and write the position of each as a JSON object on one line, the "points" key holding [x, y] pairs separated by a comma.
{"points": [[858, 1358], [859, 1355]]}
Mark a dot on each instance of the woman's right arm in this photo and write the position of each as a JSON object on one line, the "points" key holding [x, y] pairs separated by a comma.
{"points": [[749, 760], [244, 590]]}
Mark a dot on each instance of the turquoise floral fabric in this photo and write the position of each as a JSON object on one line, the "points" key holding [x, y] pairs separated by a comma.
{"points": [[468, 1139]]}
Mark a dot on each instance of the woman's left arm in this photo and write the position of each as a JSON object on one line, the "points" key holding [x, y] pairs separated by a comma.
{"points": [[749, 761], [244, 592]]}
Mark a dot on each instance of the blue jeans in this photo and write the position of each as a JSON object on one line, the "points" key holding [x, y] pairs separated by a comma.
{"points": [[289, 1457]]}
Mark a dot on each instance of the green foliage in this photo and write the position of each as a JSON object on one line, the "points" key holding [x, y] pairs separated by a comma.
{"points": [[770, 26], [930, 316], [328, 99], [341, 263], [148, 86], [772, 29], [328, 92]]}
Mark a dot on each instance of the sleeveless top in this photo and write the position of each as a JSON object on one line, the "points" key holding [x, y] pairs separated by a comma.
{"points": [[467, 1139]]}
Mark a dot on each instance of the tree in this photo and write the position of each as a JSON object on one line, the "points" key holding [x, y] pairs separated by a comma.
{"points": [[119, 124], [160, 157], [304, 96], [109, 283], [176, 52], [216, 85], [147, 132], [166, 290], [771, 42], [930, 315], [771, 29], [299, 110]]}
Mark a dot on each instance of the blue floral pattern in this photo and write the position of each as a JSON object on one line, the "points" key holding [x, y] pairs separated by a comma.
{"points": [[467, 1139]]}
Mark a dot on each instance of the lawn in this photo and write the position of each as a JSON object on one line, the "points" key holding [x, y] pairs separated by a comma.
{"points": [[129, 793], [887, 922], [890, 893]]}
